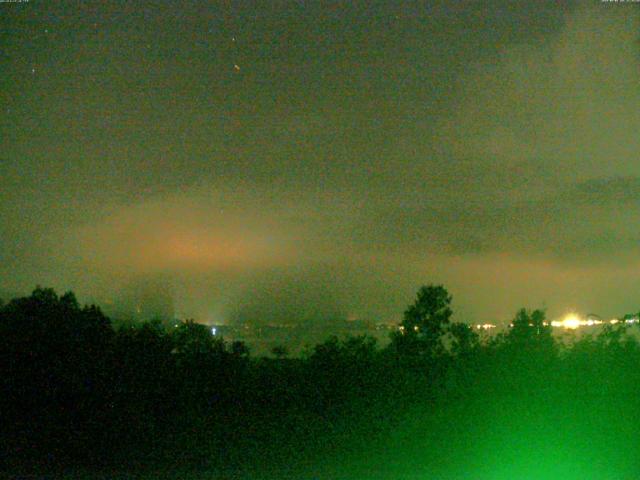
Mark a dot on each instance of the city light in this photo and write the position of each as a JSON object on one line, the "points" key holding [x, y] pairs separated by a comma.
{"points": [[486, 326], [571, 321]]}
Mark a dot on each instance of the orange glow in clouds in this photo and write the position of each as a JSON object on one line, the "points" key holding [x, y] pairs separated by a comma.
{"points": [[140, 241], [206, 251]]}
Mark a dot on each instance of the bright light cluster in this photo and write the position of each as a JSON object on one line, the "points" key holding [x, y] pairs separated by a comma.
{"points": [[571, 321], [485, 326]]}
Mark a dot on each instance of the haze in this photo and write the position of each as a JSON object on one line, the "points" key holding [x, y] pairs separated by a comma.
{"points": [[323, 161]]}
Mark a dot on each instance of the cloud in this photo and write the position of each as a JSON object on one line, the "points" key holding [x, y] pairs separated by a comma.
{"points": [[472, 147], [541, 146]]}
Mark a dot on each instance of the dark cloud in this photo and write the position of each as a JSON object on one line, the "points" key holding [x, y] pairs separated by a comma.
{"points": [[610, 190], [358, 152]]}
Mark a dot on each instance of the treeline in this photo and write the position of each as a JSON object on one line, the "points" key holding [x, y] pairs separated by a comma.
{"points": [[75, 392]]}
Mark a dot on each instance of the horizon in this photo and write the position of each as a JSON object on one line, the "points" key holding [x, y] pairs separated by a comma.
{"points": [[324, 162]]}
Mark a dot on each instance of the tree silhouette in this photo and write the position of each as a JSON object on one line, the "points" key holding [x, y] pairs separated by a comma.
{"points": [[192, 338], [425, 323], [72, 389], [529, 329], [463, 339], [54, 368]]}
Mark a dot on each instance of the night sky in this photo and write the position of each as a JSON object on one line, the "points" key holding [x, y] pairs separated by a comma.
{"points": [[303, 160]]}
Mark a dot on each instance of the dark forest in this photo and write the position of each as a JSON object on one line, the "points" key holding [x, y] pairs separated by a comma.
{"points": [[436, 402]]}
